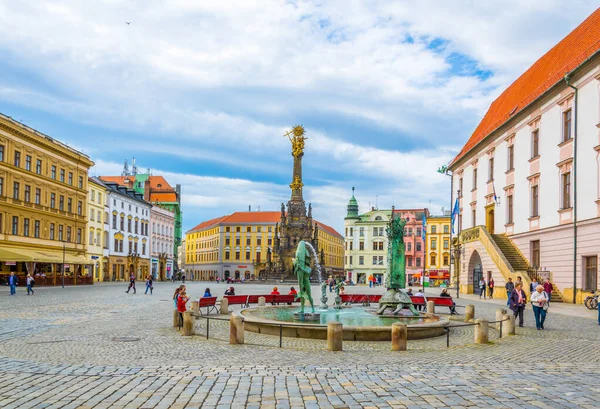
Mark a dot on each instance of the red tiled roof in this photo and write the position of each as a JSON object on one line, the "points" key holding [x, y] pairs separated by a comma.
{"points": [[207, 224], [115, 179], [163, 197], [565, 56], [329, 229], [253, 217]]}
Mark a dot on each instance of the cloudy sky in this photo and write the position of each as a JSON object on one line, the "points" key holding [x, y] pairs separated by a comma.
{"points": [[202, 91]]}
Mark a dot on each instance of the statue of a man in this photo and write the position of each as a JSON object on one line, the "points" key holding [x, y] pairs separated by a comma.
{"points": [[302, 270]]}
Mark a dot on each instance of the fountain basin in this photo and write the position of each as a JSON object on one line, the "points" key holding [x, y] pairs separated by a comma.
{"points": [[360, 323]]}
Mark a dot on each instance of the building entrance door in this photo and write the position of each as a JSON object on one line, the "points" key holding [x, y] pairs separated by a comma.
{"points": [[489, 218]]}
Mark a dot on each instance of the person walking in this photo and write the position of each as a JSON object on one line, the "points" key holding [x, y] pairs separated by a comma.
{"points": [[548, 289], [331, 282], [509, 286], [482, 288], [149, 285], [131, 283], [533, 285], [370, 281], [518, 299], [539, 301], [218, 280], [491, 288], [30, 284], [13, 282], [183, 278]]}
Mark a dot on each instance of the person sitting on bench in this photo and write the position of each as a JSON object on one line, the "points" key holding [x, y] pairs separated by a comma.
{"points": [[453, 308]]}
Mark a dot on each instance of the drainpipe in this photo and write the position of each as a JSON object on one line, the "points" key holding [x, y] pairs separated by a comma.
{"points": [[576, 108]]}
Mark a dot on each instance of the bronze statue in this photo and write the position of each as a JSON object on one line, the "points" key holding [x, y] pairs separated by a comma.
{"points": [[302, 270]]}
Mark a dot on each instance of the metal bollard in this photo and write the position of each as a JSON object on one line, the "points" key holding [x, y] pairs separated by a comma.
{"points": [[188, 324], [430, 307], [508, 326], [399, 336], [224, 307], [335, 332], [469, 312], [261, 301], [236, 330], [499, 314], [482, 335]]}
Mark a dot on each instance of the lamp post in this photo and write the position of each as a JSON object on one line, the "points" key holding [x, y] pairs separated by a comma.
{"points": [[63, 263], [444, 170]]}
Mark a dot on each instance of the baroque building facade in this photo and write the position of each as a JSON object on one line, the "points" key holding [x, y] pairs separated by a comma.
{"points": [[43, 206], [96, 228], [527, 181], [162, 242]]}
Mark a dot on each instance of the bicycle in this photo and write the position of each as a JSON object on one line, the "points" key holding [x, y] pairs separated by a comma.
{"points": [[591, 301]]}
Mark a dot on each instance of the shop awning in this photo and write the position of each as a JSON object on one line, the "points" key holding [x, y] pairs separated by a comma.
{"points": [[416, 275], [41, 256]]}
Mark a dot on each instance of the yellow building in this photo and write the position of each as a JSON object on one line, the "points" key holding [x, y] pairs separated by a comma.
{"points": [[43, 206], [238, 246], [438, 250], [96, 228]]}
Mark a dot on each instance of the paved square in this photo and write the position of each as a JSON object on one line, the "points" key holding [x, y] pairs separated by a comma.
{"points": [[97, 347]]}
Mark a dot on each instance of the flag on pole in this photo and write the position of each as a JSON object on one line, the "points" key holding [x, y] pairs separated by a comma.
{"points": [[495, 197], [424, 227], [454, 213]]}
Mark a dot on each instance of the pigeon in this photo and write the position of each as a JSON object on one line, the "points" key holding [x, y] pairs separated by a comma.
{"points": [[128, 22]]}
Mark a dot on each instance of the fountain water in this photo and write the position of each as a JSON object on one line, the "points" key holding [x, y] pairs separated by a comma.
{"points": [[317, 264]]}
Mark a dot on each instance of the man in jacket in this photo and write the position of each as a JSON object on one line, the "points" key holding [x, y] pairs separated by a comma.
{"points": [[509, 286], [12, 282], [518, 300], [548, 288]]}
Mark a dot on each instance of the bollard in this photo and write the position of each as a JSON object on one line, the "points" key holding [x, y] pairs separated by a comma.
{"points": [[430, 307], [469, 312], [508, 327], [224, 307], [481, 331], [236, 330], [195, 309], [399, 336], [499, 314], [188, 324], [335, 332], [261, 301], [175, 319]]}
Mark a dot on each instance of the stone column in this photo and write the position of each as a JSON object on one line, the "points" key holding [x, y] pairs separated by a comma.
{"points": [[188, 324], [469, 312], [261, 301], [399, 336], [236, 330], [500, 312], [482, 331], [195, 309], [508, 327], [175, 319], [335, 332], [224, 308], [430, 307]]}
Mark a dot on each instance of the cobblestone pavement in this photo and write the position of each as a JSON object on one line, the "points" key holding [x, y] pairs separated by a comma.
{"points": [[97, 347]]}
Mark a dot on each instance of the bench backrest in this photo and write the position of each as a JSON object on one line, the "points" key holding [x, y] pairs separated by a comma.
{"points": [[207, 301], [443, 301], [284, 298], [253, 299], [359, 298], [236, 299], [420, 300]]}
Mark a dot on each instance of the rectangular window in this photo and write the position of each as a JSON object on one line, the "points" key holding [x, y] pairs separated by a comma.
{"points": [[374, 260], [408, 246], [238, 229], [26, 227], [135, 247], [38, 196], [227, 240], [120, 246], [361, 260], [248, 229], [269, 242], [409, 261], [36, 229], [27, 193], [1, 186], [509, 207], [460, 187], [432, 260], [433, 244], [350, 257], [567, 125], [351, 243], [237, 241], [419, 231], [53, 172], [361, 231], [70, 180], [511, 157], [418, 246], [590, 268], [60, 232], [248, 241], [116, 244], [61, 203], [491, 170], [15, 225], [62, 175], [91, 238], [28, 163], [69, 205], [52, 200], [38, 167], [78, 236], [17, 159], [534, 201], [92, 213], [535, 143], [114, 221], [136, 227], [51, 231], [535, 254], [1, 153], [143, 249], [474, 178], [418, 262], [446, 260], [80, 182], [227, 255], [68, 234], [258, 241], [80, 209], [16, 187], [247, 255], [446, 229], [351, 231], [566, 190], [237, 255]]}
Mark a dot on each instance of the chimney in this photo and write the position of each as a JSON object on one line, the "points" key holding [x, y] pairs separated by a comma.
{"points": [[249, 208], [147, 190], [178, 191]]}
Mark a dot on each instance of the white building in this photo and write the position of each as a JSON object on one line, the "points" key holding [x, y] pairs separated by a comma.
{"points": [[161, 241], [516, 177], [128, 233], [181, 257]]}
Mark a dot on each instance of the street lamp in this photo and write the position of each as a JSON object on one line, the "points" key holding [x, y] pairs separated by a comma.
{"points": [[444, 170]]}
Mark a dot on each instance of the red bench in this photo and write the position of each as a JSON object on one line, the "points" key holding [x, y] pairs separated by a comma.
{"points": [[418, 300], [271, 298], [209, 302], [237, 299], [444, 302]]}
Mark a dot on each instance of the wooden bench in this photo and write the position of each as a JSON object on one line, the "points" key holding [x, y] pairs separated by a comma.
{"points": [[364, 299], [237, 299], [209, 302], [271, 298], [444, 302]]}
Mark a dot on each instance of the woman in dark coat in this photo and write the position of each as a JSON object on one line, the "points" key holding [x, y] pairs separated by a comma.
{"points": [[518, 300]]}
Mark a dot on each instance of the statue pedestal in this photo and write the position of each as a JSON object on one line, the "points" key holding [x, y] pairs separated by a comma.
{"points": [[396, 300], [307, 316]]}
